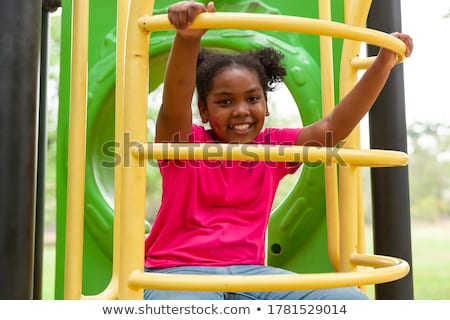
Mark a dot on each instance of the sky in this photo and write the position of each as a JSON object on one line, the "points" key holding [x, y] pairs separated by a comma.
{"points": [[427, 71]]}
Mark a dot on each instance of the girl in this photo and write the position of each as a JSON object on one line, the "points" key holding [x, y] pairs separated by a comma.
{"points": [[214, 214]]}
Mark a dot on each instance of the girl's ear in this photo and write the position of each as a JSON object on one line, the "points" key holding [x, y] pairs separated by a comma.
{"points": [[267, 110], [203, 112]]}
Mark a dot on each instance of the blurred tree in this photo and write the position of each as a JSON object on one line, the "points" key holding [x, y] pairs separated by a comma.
{"points": [[429, 166], [52, 117]]}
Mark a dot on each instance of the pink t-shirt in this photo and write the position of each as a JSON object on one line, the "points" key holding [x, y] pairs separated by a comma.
{"points": [[215, 213]]}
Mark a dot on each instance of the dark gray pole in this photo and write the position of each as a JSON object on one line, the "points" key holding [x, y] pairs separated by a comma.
{"points": [[41, 161], [20, 27], [390, 186]]}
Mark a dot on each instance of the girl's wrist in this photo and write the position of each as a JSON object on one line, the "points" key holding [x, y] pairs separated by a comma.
{"points": [[189, 36], [387, 58]]}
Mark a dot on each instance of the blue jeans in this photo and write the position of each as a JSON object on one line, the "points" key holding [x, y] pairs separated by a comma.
{"points": [[347, 293]]}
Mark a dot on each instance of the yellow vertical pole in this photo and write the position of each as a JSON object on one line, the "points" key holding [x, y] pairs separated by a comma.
{"points": [[331, 185], [132, 203], [122, 15], [355, 14], [359, 18], [361, 13], [77, 151]]}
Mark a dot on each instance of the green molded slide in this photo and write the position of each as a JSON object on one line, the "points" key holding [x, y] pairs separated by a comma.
{"points": [[297, 230]]}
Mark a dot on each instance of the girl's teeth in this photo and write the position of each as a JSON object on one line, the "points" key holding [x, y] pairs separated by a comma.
{"points": [[241, 126]]}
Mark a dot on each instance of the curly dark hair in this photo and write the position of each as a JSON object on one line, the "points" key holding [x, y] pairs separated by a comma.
{"points": [[265, 62]]}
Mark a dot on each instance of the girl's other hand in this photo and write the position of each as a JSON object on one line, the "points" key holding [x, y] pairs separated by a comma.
{"points": [[391, 57]]}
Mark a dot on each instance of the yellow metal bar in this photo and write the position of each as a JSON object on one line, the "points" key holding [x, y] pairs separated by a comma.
{"points": [[133, 177], [348, 221], [332, 210], [355, 14], [76, 151], [122, 16], [361, 227], [326, 61], [358, 17], [386, 269], [331, 173], [258, 21], [375, 261], [224, 151], [111, 292], [361, 63]]}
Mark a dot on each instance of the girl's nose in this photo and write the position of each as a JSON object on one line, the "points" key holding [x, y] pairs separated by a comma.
{"points": [[240, 109]]}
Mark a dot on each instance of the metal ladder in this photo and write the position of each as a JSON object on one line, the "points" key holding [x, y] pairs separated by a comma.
{"points": [[344, 213]]}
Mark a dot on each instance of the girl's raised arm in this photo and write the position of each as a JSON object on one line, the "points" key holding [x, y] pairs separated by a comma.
{"points": [[335, 127], [174, 122]]}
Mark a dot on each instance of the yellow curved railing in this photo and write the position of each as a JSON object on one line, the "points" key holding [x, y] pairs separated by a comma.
{"points": [[385, 269], [260, 21], [135, 22], [280, 153]]}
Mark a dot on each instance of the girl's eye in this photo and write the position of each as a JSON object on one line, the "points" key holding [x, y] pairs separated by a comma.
{"points": [[224, 102], [253, 99]]}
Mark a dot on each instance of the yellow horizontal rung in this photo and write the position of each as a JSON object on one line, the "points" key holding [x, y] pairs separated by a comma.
{"points": [[393, 269], [375, 261], [362, 63], [259, 21], [275, 153]]}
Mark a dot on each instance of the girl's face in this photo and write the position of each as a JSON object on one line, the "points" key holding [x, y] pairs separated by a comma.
{"points": [[236, 106]]}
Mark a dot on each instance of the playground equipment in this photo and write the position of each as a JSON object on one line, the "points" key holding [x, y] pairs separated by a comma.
{"points": [[128, 278], [22, 88], [95, 267]]}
